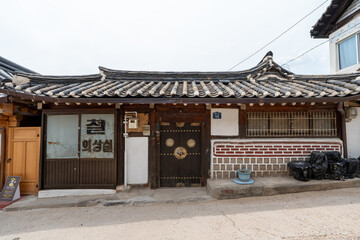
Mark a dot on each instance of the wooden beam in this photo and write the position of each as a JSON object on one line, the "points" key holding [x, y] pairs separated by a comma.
{"points": [[14, 120], [8, 109]]}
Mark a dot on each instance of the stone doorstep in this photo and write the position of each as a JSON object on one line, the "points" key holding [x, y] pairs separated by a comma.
{"points": [[73, 192], [267, 186]]}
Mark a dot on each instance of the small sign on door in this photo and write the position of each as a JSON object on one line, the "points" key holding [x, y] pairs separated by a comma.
{"points": [[11, 190]]}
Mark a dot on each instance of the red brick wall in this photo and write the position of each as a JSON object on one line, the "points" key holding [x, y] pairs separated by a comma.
{"points": [[264, 158]]}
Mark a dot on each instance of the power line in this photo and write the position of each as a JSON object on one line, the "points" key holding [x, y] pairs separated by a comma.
{"points": [[319, 45], [278, 36], [305, 52]]}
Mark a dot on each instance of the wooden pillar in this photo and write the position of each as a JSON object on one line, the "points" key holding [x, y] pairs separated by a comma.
{"points": [[157, 135], [205, 148], [242, 121], [120, 146], [152, 149]]}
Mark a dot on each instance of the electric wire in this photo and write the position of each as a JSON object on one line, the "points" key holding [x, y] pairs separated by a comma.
{"points": [[309, 50], [278, 36]]}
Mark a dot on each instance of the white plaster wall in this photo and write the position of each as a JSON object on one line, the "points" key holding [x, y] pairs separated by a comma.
{"points": [[353, 136], [339, 35], [137, 159], [228, 125]]}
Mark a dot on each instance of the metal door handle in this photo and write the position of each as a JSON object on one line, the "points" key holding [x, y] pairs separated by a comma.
{"points": [[9, 159]]}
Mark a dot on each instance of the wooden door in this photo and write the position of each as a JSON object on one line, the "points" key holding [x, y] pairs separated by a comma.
{"points": [[180, 154], [79, 151], [23, 157]]}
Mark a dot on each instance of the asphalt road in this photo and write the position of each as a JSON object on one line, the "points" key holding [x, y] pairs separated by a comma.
{"points": [[333, 214]]}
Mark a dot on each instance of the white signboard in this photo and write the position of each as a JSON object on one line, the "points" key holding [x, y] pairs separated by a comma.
{"points": [[97, 136]]}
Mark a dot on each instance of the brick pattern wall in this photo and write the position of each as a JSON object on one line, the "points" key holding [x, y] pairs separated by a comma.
{"points": [[263, 158]]}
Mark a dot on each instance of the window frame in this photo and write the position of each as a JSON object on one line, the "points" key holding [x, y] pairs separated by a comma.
{"points": [[337, 124], [357, 51], [79, 112]]}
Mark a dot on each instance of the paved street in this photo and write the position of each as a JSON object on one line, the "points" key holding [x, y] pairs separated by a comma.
{"points": [[333, 214]]}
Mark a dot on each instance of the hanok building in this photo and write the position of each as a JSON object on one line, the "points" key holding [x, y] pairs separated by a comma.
{"points": [[170, 129]]}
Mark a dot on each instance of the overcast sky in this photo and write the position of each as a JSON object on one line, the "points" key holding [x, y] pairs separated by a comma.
{"points": [[75, 37]]}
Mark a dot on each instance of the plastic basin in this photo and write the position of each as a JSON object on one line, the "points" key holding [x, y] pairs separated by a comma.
{"points": [[244, 175]]}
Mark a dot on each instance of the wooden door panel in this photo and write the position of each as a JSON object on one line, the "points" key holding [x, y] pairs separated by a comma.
{"points": [[180, 158], [24, 149], [61, 173], [25, 133], [31, 163], [97, 172], [17, 162]]}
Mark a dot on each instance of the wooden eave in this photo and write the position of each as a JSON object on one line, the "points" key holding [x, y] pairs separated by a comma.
{"points": [[327, 22]]}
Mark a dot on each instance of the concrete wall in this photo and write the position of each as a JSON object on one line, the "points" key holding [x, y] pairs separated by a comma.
{"points": [[227, 125], [353, 136], [264, 157], [348, 30]]}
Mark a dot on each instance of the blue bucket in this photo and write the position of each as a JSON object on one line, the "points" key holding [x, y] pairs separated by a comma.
{"points": [[244, 175]]}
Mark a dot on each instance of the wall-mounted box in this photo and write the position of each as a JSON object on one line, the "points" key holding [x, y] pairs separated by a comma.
{"points": [[133, 123]]}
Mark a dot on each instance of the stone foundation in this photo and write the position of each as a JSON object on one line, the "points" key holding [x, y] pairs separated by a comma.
{"points": [[264, 157]]}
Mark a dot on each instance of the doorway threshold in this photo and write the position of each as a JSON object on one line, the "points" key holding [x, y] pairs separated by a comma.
{"points": [[53, 193]]}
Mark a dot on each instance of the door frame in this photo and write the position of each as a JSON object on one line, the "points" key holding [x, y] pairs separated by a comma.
{"points": [[185, 114]]}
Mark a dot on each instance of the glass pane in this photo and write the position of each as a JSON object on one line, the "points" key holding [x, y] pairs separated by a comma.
{"points": [[62, 138], [97, 136], [347, 53]]}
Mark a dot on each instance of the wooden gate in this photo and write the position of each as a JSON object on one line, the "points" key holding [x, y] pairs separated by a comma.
{"points": [[23, 157], [180, 154]]}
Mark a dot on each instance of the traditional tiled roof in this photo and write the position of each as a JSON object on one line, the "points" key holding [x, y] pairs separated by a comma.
{"points": [[327, 22], [8, 69], [267, 80]]}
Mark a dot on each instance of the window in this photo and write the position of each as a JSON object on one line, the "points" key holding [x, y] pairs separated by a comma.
{"points": [[349, 52], [288, 124], [96, 133], [62, 136]]}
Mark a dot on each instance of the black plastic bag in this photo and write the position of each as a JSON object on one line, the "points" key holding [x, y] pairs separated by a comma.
{"points": [[333, 156], [301, 170], [336, 170], [352, 167], [319, 165]]}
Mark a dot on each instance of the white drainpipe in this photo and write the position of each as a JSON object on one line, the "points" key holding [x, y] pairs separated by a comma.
{"points": [[126, 135], [125, 151]]}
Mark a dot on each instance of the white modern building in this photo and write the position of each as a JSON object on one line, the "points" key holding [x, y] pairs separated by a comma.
{"points": [[340, 23]]}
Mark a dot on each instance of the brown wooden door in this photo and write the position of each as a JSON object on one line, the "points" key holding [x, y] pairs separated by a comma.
{"points": [[23, 157], [64, 166], [180, 154]]}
